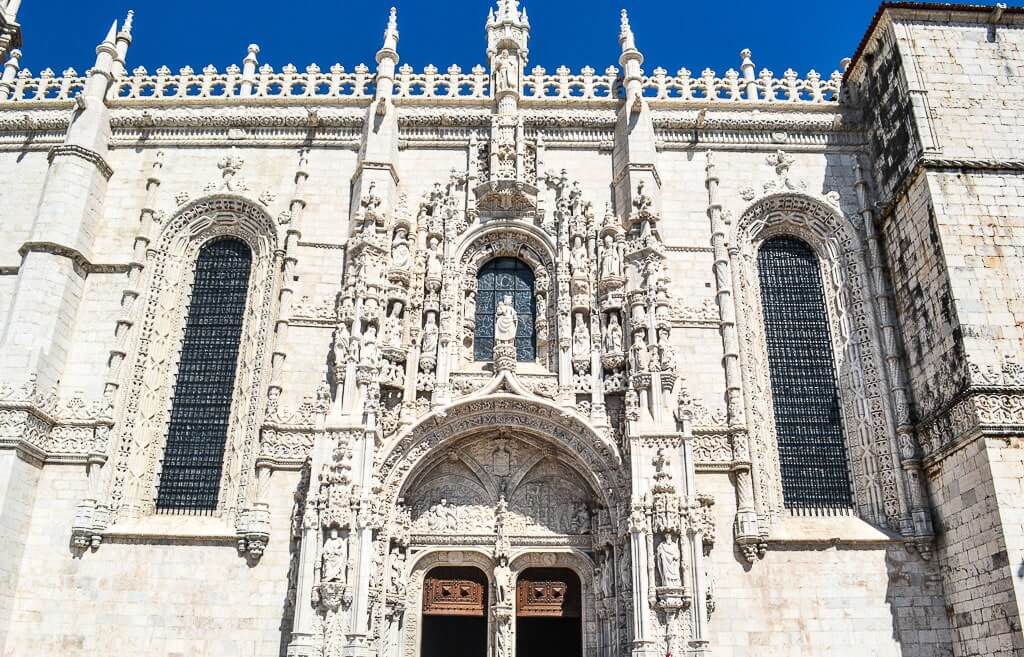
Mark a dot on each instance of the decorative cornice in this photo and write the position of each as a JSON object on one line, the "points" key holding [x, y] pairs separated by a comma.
{"points": [[81, 263], [70, 150]]}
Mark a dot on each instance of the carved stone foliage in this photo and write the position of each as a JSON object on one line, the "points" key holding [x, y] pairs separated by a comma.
{"points": [[866, 406], [144, 408]]}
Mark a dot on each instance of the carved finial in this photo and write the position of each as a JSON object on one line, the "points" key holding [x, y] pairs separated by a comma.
{"points": [[251, 53], [126, 29], [391, 33], [626, 38]]}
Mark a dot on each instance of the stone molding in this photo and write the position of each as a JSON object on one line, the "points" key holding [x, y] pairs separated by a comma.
{"points": [[70, 150]]}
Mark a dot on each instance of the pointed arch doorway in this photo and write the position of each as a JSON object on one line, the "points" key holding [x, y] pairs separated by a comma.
{"points": [[454, 612], [549, 619]]}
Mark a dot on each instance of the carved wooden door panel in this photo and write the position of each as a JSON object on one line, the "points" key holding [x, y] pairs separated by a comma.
{"points": [[544, 599], [453, 597]]}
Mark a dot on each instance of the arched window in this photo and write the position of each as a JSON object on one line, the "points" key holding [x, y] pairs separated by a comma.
{"points": [[812, 451], [500, 277], [201, 405]]}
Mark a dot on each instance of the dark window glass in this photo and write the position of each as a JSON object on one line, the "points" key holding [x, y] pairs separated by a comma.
{"points": [[812, 450], [201, 405], [500, 277]]}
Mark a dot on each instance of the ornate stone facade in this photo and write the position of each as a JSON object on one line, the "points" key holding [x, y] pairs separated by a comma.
{"points": [[504, 355]]}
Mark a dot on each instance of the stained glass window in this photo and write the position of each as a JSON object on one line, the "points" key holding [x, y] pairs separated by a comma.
{"points": [[500, 277], [812, 450], [201, 404]]}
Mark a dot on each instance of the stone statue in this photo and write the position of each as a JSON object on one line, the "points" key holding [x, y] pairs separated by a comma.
{"points": [[578, 259], [580, 338], [335, 559], [430, 333], [607, 578], [668, 562], [435, 263], [613, 335], [341, 338], [506, 74], [392, 333], [611, 264], [506, 320], [400, 255], [581, 519], [469, 305], [502, 583], [397, 577], [641, 357], [369, 354], [666, 351]]}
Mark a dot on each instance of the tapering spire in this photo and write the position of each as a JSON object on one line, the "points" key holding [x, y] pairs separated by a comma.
{"points": [[387, 61], [110, 39], [391, 33], [508, 12], [626, 38], [126, 28]]}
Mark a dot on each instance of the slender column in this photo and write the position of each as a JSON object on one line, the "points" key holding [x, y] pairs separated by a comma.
{"points": [[10, 74]]}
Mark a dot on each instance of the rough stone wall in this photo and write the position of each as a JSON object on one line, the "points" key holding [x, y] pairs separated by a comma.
{"points": [[142, 597]]}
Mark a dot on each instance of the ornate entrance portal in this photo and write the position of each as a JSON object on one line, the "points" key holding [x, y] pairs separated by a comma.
{"points": [[549, 613]]}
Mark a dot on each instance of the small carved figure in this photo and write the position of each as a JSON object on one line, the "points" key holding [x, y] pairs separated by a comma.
{"points": [[581, 519], [668, 562], [341, 338], [580, 338], [506, 75], [435, 262], [469, 305], [607, 578], [369, 354], [335, 558], [400, 255], [392, 332], [611, 264], [641, 357], [666, 351], [575, 198], [503, 582], [430, 335], [613, 335], [397, 564], [643, 201], [578, 259], [506, 320]]}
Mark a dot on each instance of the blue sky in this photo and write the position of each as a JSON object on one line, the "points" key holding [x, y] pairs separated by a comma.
{"points": [[795, 34]]}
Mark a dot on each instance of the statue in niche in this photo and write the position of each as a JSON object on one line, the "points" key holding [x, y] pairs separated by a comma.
{"points": [[334, 566], [575, 198], [506, 73], [506, 320], [641, 357], [611, 264], [397, 564], [643, 201], [580, 338], [607, 578], [341, 338], [392, 332], [469, 305], [369, 354], [401, 258], [435, 262], [430, 334], [666, 351], [613, 335], [668, 562], [578, 259], [503, 582]]}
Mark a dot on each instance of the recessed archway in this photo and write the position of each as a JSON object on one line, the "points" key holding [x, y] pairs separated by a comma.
{"points": [[549, 613], [454, 612]]}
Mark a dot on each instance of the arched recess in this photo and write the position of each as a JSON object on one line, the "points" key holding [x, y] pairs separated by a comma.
{"points": [[878, 487], [594, 457], [423, 564], [525, 243], [583, 566], [149, 378]]}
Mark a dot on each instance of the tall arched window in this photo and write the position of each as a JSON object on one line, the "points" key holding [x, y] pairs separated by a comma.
{"points": [[812, 451], [500, 277], [201, 405]]}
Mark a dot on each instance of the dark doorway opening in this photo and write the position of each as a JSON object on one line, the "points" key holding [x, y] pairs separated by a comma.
{"points": [[454, 613], [549, 619]]}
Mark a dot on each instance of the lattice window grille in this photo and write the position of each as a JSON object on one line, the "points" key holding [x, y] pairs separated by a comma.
{"points": [[808, 422], [201, 404], [497, 278]]}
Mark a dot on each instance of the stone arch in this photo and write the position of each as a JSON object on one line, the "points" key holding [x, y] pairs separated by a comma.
{"points": [[581, 564], [866, 407], [596, 456], [422, 564], [166, 292], [532, 246]]}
